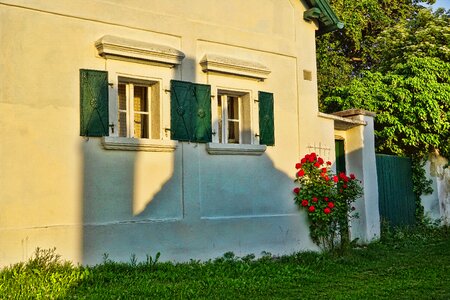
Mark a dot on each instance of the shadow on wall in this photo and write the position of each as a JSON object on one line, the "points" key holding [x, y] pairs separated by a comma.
{"points": [[210, 204]]}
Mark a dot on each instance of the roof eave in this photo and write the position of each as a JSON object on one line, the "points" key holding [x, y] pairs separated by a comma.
{"points": [[321, 11]]}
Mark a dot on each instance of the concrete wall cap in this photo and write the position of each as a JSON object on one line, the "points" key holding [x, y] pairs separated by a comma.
{"points": [[341, 123], [354, 112]]}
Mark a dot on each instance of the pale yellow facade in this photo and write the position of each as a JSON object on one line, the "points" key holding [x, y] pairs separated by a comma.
{"points": [[59, 189]]}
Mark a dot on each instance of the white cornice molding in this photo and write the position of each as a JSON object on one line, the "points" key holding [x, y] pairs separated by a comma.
{"points": [[229, 65], [119, 48], [131, 144]]}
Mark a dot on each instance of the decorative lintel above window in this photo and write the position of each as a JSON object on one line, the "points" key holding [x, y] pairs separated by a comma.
{"points": [[119, 48], [234, 66]]}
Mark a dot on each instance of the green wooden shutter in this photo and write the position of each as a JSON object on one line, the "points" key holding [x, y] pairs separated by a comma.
{"points": [[266, 119], [190, 111], [201, 115], [340, 156], [94, 111], [180, 110]]}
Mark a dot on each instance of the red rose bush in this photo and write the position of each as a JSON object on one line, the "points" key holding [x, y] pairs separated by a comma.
{"points": [[327, 198]]}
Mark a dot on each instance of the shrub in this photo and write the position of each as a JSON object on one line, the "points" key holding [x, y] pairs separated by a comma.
{"points": [[328, 200]]}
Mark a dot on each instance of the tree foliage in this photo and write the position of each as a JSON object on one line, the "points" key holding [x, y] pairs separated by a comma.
{"points": [[408, 86], [342, 55]]}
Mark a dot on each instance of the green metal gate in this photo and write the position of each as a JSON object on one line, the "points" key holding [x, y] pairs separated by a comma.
{"points": [[395, 190]]}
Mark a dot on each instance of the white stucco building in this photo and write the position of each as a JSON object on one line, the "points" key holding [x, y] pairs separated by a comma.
{"points": [[132, 127]]}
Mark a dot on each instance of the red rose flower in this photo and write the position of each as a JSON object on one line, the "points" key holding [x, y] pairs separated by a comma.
{"points": [[317, 165], [327, 178], [314, 199], [326, 198], [344, 186], [326, 210], [300, 173], [298, 166], [320, 160], [312, 159], [352, 176], [324, 170], [296, 190], [343, 177], [329, 163], [335, 178], [304, 202], [330, 204], [303, 160], [311, 208]]}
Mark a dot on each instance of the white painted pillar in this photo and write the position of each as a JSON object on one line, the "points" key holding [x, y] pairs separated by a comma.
{"points": [[360, 158]]}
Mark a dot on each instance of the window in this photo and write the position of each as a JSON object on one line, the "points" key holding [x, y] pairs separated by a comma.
{"points": [[138, 109], [233, 125], [127, 113], [122, 104]]}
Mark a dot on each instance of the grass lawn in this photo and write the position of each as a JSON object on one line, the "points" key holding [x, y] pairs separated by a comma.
{"points": [[406, 265]]}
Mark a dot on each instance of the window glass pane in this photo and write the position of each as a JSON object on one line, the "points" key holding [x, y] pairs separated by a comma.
{"points": [[233, 108], [155, 121], [233, 132], [122, 96], [245, 121], [122, 117], [122, 124], [140, 98], [140, 125], [219, 118]]}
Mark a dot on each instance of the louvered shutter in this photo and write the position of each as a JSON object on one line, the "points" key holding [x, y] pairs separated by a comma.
{"points": [[266, 119], [202, 114], [94, 103], [190, 111]]}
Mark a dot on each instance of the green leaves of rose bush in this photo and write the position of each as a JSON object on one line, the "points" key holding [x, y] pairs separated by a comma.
{"points": [[327, 199]]}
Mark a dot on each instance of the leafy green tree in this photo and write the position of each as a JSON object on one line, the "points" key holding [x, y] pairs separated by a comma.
{"points": [[409, 88], [407, 84], [344, 54]]}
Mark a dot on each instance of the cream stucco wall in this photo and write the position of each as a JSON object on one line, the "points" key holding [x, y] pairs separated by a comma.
{"points": [[58, 189], [360, 160]]}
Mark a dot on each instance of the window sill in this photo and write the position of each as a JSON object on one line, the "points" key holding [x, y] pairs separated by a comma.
{"points": [[235, 149], [131, 144]]}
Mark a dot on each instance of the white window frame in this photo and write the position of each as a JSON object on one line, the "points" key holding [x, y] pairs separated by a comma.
{"points": [[220, 144], [223, 133], [134, 74], [129, 110]]}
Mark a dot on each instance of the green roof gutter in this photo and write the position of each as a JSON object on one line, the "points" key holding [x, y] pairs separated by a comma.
{"points": [[321, 11]]}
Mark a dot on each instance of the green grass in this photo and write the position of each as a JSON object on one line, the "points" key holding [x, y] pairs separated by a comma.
{"points": [[404, 265]]}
